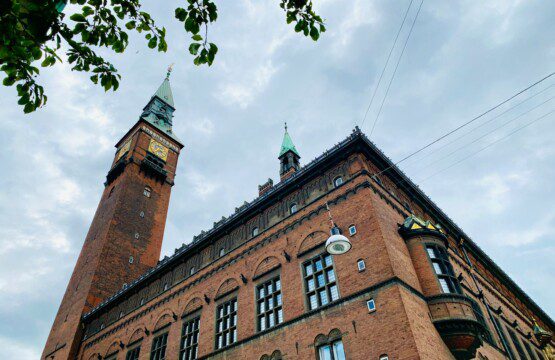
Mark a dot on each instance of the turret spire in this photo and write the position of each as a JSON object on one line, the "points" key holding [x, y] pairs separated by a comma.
{"points": [[160, 108], [288, 157], [287, 144]]}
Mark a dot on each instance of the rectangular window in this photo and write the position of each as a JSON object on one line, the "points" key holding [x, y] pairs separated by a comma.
{"points": [[504, 337], [158, 351], [517, 344], [320, 283], [333, 351], [226, 323], [133, 354], [443, 269], [371, 305], [269, 309], [189, 339]]}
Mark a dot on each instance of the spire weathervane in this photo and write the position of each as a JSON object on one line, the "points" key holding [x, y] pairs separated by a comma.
{"points": [[170, 68], [286, 126]]}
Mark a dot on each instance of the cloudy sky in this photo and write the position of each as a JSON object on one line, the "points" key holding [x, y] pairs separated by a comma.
{"points": [[462, 58]]}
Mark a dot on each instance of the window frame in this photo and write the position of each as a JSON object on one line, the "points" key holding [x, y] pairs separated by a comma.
{"points": [[372, 308], [441, 259], [147, 191], [293, 208], [503, 334], [336, 180], [188, 333], [266, 314], [134, 351], [328, 284], [157, 350], [359, 262], [352, 233], [332, 352], [230, 329], [255, 231]]}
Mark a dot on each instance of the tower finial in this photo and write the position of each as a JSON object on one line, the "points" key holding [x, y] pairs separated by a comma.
{"points": [[286, 126], [170, 68]]}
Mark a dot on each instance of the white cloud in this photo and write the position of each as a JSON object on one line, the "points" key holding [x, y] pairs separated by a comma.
{"points": [[245, 91]]}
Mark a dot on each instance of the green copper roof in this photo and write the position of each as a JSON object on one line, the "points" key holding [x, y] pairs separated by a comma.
{"points": [[160, 108], [164, 92], [287, 145]]}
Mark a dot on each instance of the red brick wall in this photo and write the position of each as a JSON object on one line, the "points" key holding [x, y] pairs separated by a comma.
{"points": [[103, 264]]}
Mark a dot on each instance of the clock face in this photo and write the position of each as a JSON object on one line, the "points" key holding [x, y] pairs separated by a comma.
{"points": [[158, 149], [124, 149]]}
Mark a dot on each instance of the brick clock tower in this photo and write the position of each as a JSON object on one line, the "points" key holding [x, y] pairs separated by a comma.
{"points": [[125, 237]]}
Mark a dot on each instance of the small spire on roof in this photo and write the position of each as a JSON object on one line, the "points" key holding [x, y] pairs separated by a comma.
{"points": [[170, 68]]}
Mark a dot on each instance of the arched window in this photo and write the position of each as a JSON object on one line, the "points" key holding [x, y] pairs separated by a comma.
{"points": [[384, 357], [293, 208], [192, 271], [330, 347], [337, 181], [222, 252], [147, 191], [166, 286], [255, 231]]}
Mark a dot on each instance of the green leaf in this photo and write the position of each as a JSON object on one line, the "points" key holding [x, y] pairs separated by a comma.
{"points": [[197, 37], [37, 54], [8, 81], [190, 24], [152, 43], [300, 25], [29, 107], [193, 48], [314, 34], [130, 25], [78, 18]]}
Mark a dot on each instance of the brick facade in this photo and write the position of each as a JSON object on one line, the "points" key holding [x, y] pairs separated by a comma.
{"points": [[263, 241]]}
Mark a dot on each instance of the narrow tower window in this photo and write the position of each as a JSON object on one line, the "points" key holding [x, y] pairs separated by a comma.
{"points": [[371, 305], [337, 181], [222, 252], [255, 231], [352, 230], [361, 265], [131, 259], [147, 191], [192, 271], [293, 208]]}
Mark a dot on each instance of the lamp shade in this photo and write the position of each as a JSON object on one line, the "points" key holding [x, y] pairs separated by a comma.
{"points": [[337, 244]]}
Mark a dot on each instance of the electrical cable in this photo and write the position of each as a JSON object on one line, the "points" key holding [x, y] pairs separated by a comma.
{"points": [[386, 63], [488, 121], [465, 124], [487, 146], [424, 167], [395, 70]]}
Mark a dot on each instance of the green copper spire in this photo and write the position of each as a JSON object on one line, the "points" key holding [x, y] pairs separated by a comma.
{"points": [[164, 92], [160, 108], [287, 144]]}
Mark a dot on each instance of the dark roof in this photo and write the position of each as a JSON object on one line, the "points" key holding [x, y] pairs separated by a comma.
{"points": [[355, 142]]}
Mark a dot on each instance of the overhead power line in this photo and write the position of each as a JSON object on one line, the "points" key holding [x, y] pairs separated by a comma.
{"points": [[487, 146], [386, 63], [467, 123], [488, 121], [483, 136], [395, 70]]}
